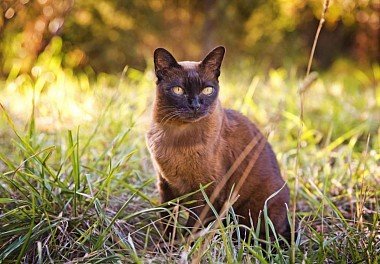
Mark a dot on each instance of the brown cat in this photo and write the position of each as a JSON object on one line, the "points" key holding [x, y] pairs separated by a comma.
{"points": [[194, 141]]}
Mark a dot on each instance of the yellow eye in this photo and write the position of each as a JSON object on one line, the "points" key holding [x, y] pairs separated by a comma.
{"points": [[177, 90], [208, 90]]}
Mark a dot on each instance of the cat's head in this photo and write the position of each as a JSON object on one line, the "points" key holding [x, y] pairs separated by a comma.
{"points": [[186, 91]]}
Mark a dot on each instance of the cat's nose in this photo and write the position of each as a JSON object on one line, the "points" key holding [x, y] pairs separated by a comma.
{"points": [[195, 104]]}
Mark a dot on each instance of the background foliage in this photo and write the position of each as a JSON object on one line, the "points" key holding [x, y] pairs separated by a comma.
{"points": [[107, 35]]}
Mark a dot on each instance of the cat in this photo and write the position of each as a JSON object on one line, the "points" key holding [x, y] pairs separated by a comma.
{"points": [[194, 141]]}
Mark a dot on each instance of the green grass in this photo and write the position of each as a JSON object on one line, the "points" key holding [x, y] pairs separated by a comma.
{"points": [[77, 184]]}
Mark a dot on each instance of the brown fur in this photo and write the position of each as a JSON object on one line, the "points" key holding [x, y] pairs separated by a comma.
{"points": [[189, 154]]}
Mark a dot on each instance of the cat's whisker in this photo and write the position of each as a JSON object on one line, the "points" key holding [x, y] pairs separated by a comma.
{"points": [[166, 108], [163, 120], [169, 116], [166, 116], [175, 114]]}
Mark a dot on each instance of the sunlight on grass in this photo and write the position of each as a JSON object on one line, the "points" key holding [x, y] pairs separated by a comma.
{"points": [[60, 107]]}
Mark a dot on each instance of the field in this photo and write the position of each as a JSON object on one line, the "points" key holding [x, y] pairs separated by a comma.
{"points": [[77, 183]]}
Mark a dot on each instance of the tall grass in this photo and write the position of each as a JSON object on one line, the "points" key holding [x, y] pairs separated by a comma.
{"points": [[76, 183]]}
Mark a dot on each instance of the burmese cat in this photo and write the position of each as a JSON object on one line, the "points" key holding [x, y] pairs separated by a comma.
{"points": [[193, 141]]}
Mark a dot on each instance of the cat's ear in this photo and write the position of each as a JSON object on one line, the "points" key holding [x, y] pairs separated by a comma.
{"points": [[212, 62], [162, 60]]}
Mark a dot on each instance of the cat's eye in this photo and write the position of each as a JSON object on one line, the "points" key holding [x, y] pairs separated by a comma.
{"points": [[177, 90], [208, 90]]}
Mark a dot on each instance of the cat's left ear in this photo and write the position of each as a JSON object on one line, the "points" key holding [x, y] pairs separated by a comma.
{"points": [[212, 62]]}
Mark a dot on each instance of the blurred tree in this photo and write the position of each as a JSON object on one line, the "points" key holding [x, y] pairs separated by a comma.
{"points": [[28, 27], [108, 34]]}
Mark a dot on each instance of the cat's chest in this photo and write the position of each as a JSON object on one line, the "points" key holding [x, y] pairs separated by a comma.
{"points": [[181, 163], [175, 161]]}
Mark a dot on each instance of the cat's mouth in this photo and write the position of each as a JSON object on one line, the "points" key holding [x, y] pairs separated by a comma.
{"points": [[192, 117]]}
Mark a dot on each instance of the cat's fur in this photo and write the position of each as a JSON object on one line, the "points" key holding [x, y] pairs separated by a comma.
{"points": [[191, 147]]}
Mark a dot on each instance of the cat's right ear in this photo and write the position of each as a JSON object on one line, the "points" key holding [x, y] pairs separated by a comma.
{"points": [[163, 60]]}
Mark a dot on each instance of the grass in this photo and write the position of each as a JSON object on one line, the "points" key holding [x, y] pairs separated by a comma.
{"points": [[77, 184]]}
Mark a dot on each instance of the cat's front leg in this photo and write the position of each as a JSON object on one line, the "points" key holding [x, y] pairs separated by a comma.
{"points": [[199, 214], [194, 222], [166, 195]]}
